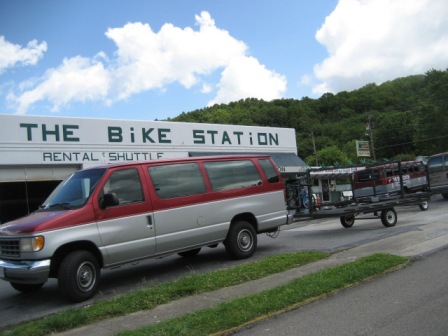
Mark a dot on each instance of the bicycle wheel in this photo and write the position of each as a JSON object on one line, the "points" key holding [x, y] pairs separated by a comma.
{"points": [[291, 202], [305, 198]]}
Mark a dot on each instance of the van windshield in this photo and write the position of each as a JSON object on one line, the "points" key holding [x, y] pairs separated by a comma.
{"points": [[73, 192]]}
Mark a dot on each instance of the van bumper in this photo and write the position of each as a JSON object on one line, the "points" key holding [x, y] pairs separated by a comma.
{"points": [[25, 272]]}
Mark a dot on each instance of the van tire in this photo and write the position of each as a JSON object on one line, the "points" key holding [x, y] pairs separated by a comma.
{"points": [[79, 276], [445, 195], [241, 241]]}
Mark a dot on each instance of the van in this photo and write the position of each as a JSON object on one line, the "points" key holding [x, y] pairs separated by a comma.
{"points": [[438, 173], [389, 179], [111, 215]]}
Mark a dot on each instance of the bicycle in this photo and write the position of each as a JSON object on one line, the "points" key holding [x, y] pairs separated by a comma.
{"points": [[298, 196]]}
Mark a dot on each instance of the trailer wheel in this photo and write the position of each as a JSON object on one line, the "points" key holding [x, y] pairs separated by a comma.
{"points": [[347, 221], [424, 206], [389, 217], [241, 241]]}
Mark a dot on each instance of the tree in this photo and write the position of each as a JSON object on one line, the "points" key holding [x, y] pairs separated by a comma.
{"points": [[431, 134], [411, 116], [329, 156], [393, 133]]}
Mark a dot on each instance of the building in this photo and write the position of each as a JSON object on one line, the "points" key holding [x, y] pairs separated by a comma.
{"points": [[36, 153], [333, 185]]}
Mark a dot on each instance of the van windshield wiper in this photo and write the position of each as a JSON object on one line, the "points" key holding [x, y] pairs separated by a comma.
{"points": [[65, 206]]}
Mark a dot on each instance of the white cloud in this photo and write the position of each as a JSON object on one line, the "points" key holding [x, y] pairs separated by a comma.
{"points": [[379, 40], [13, 54], [147, 60], [206, 88], [77, 79], [246, 77]]}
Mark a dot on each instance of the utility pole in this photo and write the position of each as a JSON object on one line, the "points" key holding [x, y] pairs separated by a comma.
{"points": [[314, 148], [370, 125]]}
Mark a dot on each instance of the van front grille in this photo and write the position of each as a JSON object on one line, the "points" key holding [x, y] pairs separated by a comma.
{"points": [[9, 248]]}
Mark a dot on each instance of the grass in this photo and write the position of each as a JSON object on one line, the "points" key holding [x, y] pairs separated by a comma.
{"points": [[229, 315], [151, 297]]}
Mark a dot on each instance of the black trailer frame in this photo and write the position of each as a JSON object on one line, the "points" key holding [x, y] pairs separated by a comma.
{"points": [[383, 209], [381, 206]]}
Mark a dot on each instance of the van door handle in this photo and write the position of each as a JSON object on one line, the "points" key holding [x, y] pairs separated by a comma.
{"points": [[149, 218]]}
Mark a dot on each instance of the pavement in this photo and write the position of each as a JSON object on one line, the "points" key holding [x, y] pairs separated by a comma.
{"points": [[429, 239]]}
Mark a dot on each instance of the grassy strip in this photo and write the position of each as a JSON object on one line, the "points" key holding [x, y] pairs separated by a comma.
{"points": [[151, 297], [230, 314]]}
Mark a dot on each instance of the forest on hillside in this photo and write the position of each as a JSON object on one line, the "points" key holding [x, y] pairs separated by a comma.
{"points": [[403, 118]]}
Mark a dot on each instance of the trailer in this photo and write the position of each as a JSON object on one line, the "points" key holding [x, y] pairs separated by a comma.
{"points": [[348, 212], [306, 206]]}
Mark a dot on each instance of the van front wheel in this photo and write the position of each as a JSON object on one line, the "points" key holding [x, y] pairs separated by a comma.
{"points": [[79, 276], [241, 241]]}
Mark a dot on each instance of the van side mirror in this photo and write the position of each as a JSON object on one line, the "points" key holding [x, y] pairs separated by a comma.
{"points": [[109, 200]]}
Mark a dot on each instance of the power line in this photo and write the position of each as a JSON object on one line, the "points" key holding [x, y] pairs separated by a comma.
{"points": [[413, 142]]}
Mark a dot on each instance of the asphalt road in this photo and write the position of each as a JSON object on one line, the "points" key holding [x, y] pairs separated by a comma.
{"points": [[409, 302], [325, 235]]}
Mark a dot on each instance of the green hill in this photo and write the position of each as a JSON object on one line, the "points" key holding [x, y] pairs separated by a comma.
{"points": [[409, 117]]}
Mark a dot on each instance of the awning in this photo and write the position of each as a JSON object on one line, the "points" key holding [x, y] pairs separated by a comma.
{"points": [[334, 173], [286, 162]]}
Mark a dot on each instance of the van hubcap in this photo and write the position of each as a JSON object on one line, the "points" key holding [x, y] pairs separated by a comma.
{"points": [[86, 276], [245, 240]]}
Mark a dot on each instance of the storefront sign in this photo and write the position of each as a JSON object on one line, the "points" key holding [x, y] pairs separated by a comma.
{"points": [[44, 140]]}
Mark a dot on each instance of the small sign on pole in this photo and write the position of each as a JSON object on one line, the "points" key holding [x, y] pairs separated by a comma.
{"points": [[362, 148]]}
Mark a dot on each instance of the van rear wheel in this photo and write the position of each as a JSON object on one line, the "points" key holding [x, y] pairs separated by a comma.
{"points": [[241, 241]]}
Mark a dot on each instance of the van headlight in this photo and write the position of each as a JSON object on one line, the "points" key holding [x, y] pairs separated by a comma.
{"points": [[32, 244]]}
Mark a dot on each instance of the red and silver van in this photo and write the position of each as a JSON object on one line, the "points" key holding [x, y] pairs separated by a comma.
{"points": [[110, 215], [389, 179], [438, 173]]}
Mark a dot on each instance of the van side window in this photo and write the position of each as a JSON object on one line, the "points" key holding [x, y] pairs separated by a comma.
{"points": [[177, 180], [126, 185], [435, 163], [270, 171], [367, 175], [227, 175]]}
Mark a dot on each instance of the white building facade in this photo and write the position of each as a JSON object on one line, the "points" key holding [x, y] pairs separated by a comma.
{"points": [[36, 153]]}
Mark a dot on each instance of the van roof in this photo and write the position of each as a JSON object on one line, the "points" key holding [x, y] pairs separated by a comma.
{"points": [[181, 160], [445, 153], [393, 164]]}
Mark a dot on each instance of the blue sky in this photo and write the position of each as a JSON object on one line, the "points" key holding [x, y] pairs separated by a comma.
{"points": [[155, 59]]}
